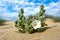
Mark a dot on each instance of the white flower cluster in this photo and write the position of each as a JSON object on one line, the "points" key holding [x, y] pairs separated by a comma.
{"points": [[36, 24]]}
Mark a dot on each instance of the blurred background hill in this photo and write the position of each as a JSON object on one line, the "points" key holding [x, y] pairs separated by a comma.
{"points": [[55, 18], [2, 21]]}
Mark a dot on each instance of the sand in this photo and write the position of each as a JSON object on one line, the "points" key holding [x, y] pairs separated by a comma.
{"points": [[10, 32]]}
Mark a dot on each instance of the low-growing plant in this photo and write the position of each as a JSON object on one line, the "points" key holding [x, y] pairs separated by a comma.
{"points": [[27, 24]]}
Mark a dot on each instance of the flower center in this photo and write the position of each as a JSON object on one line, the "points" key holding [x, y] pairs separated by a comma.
{"points": [[35, 24]]}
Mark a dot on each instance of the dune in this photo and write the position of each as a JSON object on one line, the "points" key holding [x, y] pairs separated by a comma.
{"points": [[10, 32]]}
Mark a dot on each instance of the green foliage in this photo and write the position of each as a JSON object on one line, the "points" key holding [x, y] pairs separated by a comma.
{"points": [[41, 15], [20, 23], [24, 24], [31, 30]]}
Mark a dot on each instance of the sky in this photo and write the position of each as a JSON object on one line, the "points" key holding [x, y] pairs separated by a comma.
{"points": [[9, 9]]}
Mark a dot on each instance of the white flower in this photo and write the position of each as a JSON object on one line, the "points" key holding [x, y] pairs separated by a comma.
{"points": [[36, 24]]}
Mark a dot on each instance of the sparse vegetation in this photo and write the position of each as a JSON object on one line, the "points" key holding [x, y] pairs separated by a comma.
{"points": [[2, 21], [55, 18]]}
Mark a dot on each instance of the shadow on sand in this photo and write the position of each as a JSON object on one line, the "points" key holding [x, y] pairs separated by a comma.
{"points": [[43, 29], [40, 30]]}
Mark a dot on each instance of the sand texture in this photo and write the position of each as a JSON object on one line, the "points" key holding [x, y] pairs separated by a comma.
{"points": [[10, 32]]}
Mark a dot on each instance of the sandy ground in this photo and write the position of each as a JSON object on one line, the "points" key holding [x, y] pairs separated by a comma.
{"points": [[10, 32]]}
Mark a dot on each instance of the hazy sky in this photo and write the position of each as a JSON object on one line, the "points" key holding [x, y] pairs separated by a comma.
{"points": [[9, 9]]}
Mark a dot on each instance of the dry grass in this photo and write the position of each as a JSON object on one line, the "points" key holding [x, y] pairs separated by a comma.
{"points": [[10, 32]]}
